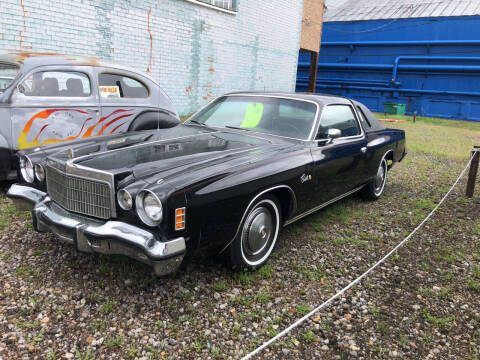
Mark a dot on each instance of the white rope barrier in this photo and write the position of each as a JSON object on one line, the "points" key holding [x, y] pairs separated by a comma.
{"points": [[358, 279]]}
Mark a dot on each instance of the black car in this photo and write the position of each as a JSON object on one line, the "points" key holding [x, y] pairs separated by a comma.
{"points": [[226, 181]]}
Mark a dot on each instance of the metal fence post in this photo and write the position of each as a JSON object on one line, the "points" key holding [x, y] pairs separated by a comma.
{"points": [[472, 174]]}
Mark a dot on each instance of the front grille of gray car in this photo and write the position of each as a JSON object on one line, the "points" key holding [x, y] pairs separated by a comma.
{"points": [[79, 195]]}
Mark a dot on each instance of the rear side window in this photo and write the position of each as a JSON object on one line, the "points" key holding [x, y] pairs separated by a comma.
{"points": [[339, 117], [118, 86], [366, 124], [8, 72], [57, 84]]}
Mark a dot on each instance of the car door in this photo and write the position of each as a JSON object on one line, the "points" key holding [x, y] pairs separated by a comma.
{"points": [[338, 164], [53, 104], [123, 96]]}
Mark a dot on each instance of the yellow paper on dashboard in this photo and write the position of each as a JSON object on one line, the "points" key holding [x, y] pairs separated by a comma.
{"points": [[253, 115]]}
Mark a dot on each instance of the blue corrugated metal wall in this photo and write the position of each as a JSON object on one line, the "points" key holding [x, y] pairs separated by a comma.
{"points": [[430, 64]]}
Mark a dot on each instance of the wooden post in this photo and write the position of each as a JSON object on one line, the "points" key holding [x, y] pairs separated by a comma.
{"points": [[472, 174], [312, 76], [414, 116], [311, 36]]}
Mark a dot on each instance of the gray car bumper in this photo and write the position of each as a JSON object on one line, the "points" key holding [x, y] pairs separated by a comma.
{"points": [[91, 235]]}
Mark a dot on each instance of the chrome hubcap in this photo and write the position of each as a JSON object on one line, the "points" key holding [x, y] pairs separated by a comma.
{"points": [[257, 231], [381, 176]]}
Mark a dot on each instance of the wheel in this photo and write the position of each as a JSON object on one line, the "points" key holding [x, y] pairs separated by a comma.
{"points": [[257, 236], [374, 189]]}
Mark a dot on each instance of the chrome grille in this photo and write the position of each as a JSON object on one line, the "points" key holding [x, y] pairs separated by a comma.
{"points": [[79, 195]]}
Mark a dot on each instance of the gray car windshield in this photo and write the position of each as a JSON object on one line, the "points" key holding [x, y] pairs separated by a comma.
{"points": [[272, 115], [8, 72]]}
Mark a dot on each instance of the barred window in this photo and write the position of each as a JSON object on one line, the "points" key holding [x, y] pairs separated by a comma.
{"points": [[223, 4]]}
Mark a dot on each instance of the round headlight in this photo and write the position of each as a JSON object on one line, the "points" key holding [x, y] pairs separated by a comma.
{"points": [[124, 199], [149, 208], [39, 172], [26, 169]]}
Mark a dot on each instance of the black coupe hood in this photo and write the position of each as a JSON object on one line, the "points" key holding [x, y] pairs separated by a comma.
{"points": [[188, 154]]}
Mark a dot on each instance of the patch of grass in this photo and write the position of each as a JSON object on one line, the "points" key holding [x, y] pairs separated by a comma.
{"points": [[473, 285], [36, 339], [263, 297], [133, 352], [444, 323], [382, 328], [446, 255], [443, 293], [108, 307], [303, 309], [24, 270], [6, 214], [53, 355], [427, 136], [271, 331], [84, 356], [336, 213], [427, 340], [219, 286], [476, 229], [476, 271], [93, 298], [28, 324], [424, 204], [115, 341], [309, 336], [38, 252], [266, 271], [244, 277]]}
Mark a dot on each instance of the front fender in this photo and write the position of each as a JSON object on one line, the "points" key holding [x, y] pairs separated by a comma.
{"points": [[6, 158]]}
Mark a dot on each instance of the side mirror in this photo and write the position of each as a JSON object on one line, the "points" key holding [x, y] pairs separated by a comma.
{"points": [[333, 134], [21, 88]]}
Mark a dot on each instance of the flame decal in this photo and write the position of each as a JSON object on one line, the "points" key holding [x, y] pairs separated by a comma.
{"points": [[116, 127], [89, 131], [23, 143], [111, 122]]}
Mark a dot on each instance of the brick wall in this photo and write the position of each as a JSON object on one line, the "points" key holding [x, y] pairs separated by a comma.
{"points": [[196, 53]]}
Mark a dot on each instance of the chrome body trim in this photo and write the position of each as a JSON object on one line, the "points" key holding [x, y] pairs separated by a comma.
{"points": [[251, 203], [99, 236], [311, 211]]}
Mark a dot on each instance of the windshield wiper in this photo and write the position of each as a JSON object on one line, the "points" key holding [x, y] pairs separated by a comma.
{"points": [[237, 128], [196, 122]]}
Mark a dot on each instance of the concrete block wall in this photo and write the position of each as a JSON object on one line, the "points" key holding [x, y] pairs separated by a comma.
{"points": [[196, 53]]}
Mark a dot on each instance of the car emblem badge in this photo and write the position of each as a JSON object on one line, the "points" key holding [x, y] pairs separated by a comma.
{"points": [[304, 178]]}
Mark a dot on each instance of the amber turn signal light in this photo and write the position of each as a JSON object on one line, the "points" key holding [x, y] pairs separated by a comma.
{"points": [[180, 219]]}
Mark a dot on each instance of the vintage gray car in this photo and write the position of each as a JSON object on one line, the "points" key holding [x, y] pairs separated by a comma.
{"points": [[50, 98]]}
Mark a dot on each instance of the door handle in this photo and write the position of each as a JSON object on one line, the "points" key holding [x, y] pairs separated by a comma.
{"points": [[93, 109], [363, 149]]}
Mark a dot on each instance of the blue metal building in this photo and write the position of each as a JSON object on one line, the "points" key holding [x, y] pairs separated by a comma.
{"points": [[425, 55]]}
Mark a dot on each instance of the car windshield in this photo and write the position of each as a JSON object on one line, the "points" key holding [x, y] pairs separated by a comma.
{"points": [[272, 115], [8, 72]]}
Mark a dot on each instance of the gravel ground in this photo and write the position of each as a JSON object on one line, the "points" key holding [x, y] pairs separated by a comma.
{"points": [[422, 303]]}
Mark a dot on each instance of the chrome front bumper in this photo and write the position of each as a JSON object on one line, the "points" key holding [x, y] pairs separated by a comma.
{"points": [[92, 235]]}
